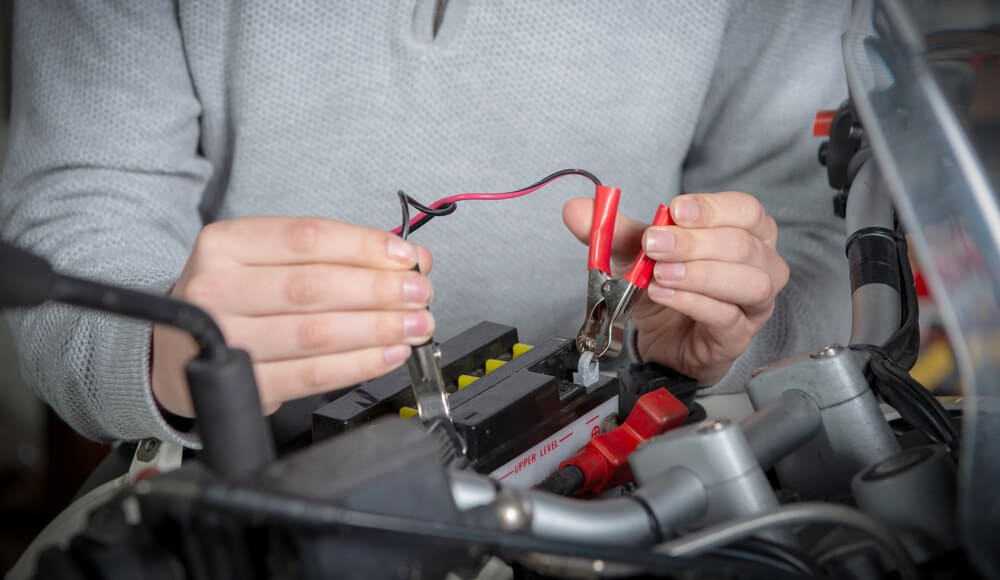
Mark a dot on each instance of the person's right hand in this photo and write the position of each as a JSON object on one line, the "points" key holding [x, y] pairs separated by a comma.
{"points": [[319, 304]]}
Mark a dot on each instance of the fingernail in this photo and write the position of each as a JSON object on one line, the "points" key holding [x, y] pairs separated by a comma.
{"points": [[659, 293], [686, 210], [417, 289], [396, 354], [402, 251], [669, 271], [659, 241], [415, 324]]}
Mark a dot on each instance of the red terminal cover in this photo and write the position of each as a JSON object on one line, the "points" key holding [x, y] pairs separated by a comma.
{"points": [[604, 459]]}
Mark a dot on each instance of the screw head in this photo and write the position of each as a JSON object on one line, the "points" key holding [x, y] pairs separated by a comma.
{"points": [[712, 426], [511, 512], [828, 351]]}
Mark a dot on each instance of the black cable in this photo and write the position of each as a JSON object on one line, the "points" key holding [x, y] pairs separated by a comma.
{"points": [[915, 404], [756, 557], [408, 201], [565, 481], [135, 304], [800, 561], [889, 365], [581, 172], [258, 504]]}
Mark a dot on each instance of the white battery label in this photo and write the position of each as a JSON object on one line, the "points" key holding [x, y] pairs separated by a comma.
{"points": [[541, 460]]}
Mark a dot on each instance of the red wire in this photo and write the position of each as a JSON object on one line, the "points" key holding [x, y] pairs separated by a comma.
{"points": [[473, 196]]}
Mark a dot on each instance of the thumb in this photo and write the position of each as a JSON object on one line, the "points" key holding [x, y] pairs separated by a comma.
{"points": [[578, 213]]}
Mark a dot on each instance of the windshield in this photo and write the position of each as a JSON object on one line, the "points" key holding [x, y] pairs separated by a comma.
{"points": [[925, 81]]}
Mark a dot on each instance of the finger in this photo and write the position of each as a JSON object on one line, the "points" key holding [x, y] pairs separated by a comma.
{"points": [[578, 214], [425, 262], [727, 322], [273, 338], [293, 379], [270, 290], [724, 244], [725, 209], [746, 286], [288, 240]]}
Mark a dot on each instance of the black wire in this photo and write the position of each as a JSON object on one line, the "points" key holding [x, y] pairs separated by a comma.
{"points": [[404, 204], [889, 364], [565, 481], [408, 201], [800, 561], [756, 557], [916, 405]]}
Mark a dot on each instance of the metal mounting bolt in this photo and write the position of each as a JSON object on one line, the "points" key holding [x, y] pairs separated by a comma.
{"points": [[511, 512], [712, 426], [828, 351]]}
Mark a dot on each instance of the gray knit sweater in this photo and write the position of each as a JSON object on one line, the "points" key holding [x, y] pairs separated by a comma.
{"points": [[134, 122]]}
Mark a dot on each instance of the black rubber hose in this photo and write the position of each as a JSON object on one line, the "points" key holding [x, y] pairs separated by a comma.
{"points": [[565, 481]]}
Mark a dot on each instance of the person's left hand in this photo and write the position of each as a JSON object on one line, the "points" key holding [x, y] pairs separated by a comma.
{"points": [[714, 284]]}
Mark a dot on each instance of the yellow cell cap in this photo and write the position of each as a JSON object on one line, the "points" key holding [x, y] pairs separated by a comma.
{"points": [[407, 412], [521, 348], [465, 381], [493, 364]]}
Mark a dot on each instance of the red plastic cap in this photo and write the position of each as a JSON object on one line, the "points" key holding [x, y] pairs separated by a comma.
{"points": [[642, 269], [822, 123], [604, 459]]}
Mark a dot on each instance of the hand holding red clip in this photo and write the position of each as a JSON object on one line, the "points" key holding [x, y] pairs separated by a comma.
{"points": [[610, 300]]}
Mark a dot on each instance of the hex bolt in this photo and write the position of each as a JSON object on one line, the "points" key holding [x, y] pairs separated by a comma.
{"points": [[511, 512]]}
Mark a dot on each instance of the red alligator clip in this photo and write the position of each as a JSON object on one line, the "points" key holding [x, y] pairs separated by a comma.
{"points": [[610, 300]]}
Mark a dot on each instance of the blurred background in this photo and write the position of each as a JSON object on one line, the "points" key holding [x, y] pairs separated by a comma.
{"points": [[42, 462]]}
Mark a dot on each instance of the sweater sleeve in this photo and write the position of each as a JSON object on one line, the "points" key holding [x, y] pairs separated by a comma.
{"points": [[103, 179], [780, 65]]}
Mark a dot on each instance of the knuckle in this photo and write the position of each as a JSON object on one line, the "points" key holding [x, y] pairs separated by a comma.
{"points": [[744, 246], [203, 289], [303, 235], [759, 288], [313, 333], [211, 239], [783, 275], [771, 227], [311, 375], [386, 287], [303, 288], [388, 328], [683, 242], [753, 209], [729, 315]]}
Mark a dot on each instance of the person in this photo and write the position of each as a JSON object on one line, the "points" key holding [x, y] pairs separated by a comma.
{"points": [[245, 156]]}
